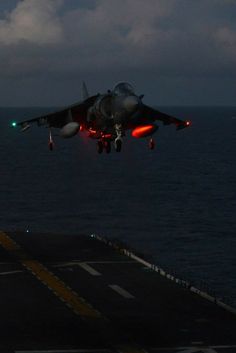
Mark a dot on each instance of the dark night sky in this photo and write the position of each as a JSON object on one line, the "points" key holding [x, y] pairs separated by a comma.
{"points": [[176, 52]]}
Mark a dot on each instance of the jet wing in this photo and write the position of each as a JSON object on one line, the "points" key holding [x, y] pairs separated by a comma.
{"points": [[153, 115], [76, 112]]}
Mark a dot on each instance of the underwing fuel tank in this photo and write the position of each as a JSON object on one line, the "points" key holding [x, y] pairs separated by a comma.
{"points": [[69, 130]]}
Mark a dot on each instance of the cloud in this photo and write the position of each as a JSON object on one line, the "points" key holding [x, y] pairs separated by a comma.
{"points": [[32, 21], [153, 34], [72, 39], [111, 25], [114, 37], [227, 37], [49, 46]]}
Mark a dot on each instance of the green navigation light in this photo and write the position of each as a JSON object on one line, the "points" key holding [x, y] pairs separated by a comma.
{"points": [[13, 124]]}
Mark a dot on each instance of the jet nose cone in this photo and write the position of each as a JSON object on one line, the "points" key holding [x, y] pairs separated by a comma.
{"points": [[131, 103]]}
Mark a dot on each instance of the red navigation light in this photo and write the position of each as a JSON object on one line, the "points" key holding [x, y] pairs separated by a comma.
{"points": [[187, 123], [93, 132], [107, 136], [143, 131]]}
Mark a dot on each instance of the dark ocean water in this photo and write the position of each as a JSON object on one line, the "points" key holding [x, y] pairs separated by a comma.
{"points": [[177, 204]]}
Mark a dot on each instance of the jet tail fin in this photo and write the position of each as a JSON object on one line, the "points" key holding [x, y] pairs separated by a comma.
{"points": [[85, 93]]}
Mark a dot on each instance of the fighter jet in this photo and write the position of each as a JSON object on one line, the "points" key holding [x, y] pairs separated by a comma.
{"points": [[106, 118]]}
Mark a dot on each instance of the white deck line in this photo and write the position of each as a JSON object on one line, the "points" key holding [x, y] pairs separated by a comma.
{"points": [[89, 269], [77, 263], [68, 351], [10, 272], [121, 291]]}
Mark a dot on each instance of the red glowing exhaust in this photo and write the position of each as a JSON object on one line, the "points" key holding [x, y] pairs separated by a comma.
{"points": [[143, 131]]}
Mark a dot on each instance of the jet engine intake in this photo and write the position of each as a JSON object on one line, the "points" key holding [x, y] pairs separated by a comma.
{"points": [[69, 130]]}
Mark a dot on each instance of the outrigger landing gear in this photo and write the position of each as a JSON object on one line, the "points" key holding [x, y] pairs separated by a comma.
{"points": [[50, 142], [99, 146], [151, 144]]}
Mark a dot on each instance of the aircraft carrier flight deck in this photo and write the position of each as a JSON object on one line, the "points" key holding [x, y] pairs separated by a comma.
{"points": [[76, 293]]}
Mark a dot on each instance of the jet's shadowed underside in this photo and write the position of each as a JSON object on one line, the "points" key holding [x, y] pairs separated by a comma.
{"points": [[106, 117]]}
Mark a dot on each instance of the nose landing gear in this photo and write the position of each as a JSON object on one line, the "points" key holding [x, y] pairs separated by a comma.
{"points": [[118, 144], [118, 140]]}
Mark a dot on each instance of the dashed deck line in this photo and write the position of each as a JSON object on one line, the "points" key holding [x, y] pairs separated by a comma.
{"points": [[194, 349], [124, 293], [130, 349], [89, 269]]}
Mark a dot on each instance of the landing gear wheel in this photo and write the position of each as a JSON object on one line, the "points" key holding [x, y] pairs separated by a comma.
{"points": [[118, 145], [100, 147], [151, 144], [107, 146]]}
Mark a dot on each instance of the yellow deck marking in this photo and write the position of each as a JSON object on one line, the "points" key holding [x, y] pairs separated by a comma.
{"points": [[77, 304], [60, 289]]}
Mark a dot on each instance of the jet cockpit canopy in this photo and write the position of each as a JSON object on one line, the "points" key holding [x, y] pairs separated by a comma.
{"points": [[123, 88]]}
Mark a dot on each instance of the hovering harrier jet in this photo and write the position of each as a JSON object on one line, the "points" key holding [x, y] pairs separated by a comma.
{"points": [[106, 118]]}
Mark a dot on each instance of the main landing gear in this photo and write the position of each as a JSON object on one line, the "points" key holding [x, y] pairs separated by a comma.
{"points": [[99, 146], [107, 146], [104, 145]]}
